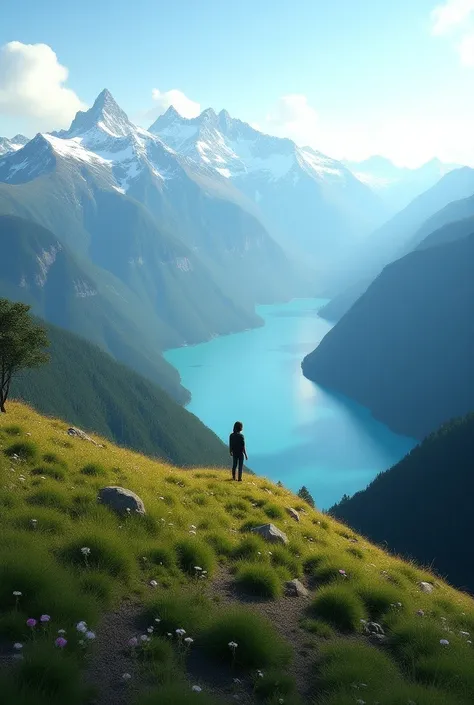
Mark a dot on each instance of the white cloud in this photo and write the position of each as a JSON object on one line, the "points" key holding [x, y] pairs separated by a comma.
{"points": [[451, 16], [293, 117], [185, 106], [466, 50], [32, 86]]}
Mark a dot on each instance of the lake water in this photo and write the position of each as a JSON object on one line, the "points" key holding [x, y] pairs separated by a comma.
{"points": [[295, 431]]}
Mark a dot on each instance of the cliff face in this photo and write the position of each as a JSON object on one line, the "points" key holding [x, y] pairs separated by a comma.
{"points": [[405, 349]]}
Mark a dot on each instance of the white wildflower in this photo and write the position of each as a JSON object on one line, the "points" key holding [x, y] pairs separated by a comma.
{"points": [[188, 640], [126, 676], [17, 593], [153, 583], [444, 642], [196, 688], [81, 627], [180, 632], [90, 635], [17, 646], [85, 551]]}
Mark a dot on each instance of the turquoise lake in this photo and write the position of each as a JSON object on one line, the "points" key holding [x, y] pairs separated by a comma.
{"points": [[295, 431]]}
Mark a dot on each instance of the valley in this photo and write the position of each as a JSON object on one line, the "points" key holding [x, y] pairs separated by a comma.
{"points": [[297, 432]]}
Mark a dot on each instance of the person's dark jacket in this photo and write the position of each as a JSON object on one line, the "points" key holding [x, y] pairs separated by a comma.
{"points": [[237, 444]]}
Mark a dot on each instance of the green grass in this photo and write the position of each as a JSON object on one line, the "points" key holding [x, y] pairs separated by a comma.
{"points": [[93, 470], [259, 579], [25, 450], [201, 519], [258, 643], [194, 552], [340, 607]]}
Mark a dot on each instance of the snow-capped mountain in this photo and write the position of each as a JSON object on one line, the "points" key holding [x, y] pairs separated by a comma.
{"points": [[312, 203], [397, 186], [117, 195], [11, 145]]}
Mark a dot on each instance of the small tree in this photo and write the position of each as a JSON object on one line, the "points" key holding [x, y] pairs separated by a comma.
{"points": [[304, 493], [22, 344]]}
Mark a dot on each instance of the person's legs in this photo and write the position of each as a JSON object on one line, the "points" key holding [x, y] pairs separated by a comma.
{"points": [[234, 465], [241, 463]]}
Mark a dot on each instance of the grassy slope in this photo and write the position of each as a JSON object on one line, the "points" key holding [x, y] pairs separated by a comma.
{"points": [[434, 485], [88, 388], [47, 566]]}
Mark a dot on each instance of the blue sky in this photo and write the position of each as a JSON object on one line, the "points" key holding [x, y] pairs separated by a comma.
{"points": [[349, 77]]}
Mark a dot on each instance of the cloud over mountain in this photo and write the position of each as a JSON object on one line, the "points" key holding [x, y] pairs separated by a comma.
{"points": [[32, 85]]}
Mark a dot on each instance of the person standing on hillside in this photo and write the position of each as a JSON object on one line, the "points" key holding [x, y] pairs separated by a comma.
{"points": [[237, 449]]}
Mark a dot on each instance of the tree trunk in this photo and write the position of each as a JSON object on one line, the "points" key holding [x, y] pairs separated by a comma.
{"points": [[2, 408]]}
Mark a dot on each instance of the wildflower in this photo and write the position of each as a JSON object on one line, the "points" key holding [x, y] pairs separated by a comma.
{"points": [[193, 527], [133, 641], [153, 583], [61, 642], [17, 646], [31, 623], [232, 645], [34, 523], [128, 510], [197, 568], [126, 676], [150, 630], [281, 701], [192, 532], [180, 632], [468, 641], [90, 635], [196, 688], [260, 674], [342, 572], [464, 633], [17, 593], [45, 618], [157, 620], [169, 634], [85, 551], [237, 681], [160, 497], [420, 613], [144, 638], [61, 632], [444, 642], [188, 640]]}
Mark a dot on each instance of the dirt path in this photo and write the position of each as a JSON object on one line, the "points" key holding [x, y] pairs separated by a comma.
{"points": [[112, 657]]}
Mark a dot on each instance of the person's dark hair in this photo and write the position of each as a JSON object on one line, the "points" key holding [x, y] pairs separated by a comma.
{"points": [[238, 426]]}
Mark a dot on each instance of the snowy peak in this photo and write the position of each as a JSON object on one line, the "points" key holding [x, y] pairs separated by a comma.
{"points": [[12, 145], [28, 162], [106, 118], [235, 150]]}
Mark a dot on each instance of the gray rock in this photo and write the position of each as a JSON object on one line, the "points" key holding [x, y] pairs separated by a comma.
{"points": [[121, 500], [296, 589], [270, 533], [373, 629], [293, 513], [426, 587], [77, 433]]}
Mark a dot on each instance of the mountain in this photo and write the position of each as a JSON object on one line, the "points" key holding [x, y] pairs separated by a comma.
{"points": [[89, 389], [312, 204], [38, 269], [189, 200], [12, 145], [448, 201], [397, 186], [72, 192], [431, 488], [77, 560], [405, 348]]}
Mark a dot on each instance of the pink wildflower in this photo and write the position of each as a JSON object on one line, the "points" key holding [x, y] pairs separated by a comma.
{"points": [[31, 623], [61, 642]]}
